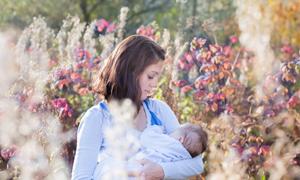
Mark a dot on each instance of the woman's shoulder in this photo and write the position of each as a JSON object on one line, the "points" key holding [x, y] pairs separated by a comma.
{"points": [[96, 109], [157, 104], [94, 113], [164, 113]]}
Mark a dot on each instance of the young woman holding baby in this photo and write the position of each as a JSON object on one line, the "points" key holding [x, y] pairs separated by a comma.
{"points": [[131, 71]]}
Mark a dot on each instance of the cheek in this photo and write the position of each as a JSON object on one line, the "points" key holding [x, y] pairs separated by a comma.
{"points": [[142, 82]]}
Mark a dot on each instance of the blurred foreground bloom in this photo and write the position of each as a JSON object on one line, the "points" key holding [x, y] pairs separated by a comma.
{"points": [[9, 152]]}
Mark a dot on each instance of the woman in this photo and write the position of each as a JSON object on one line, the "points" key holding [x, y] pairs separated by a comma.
{"points": [[131, 71]]}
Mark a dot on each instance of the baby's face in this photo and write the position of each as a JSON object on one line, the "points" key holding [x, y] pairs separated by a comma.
{"points": [[189, 139]]}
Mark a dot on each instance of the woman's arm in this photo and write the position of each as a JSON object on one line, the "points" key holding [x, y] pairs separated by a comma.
{"points": [[171, 170], [182, 169], [89, 139]]}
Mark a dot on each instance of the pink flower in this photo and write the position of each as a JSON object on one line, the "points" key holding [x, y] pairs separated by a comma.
{"points": [[233, 39], [264, 150], [180, 83], [249, 152], [269, 112], [202, 81], [296, 160], [59, 102], [287, 49], [197, 43], [62, 105], [101, 24], [147, 31], [214, 48], [229, 109], [8, 153], [199, 94], [83, 91], [59, 74], [82, 54], [21, 98], [189, 58], [52, 63], [227, 50], [238, 148], [184, 65], [33, 107], [293, 102], [76, 77], [111, 28], [63, 83], [186, 89], [92, 62], [220, 96], [205, 56]]}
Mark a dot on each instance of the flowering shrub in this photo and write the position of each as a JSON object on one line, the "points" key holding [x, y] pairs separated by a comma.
{"points": [[215, 86], [206, 75], [150, 30], [102, 27], [213, 77], [70, 89]]}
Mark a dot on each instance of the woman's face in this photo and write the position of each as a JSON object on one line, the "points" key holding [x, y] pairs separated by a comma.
{"points": [[149, 79]]}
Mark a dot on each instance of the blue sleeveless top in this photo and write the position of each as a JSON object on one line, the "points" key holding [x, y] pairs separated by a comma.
{"points": [[153, 118]]}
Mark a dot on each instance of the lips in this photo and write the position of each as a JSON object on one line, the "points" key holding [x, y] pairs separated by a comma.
{"points": [[148, 92]]}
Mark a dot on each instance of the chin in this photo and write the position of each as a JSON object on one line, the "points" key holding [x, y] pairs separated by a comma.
{"points": [[143, 98]]}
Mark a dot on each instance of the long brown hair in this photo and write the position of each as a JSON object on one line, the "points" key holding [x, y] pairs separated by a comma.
{"points": [[119, 76]]}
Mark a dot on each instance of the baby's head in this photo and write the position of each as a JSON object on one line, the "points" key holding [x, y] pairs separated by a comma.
{"points": [[192, 137]]}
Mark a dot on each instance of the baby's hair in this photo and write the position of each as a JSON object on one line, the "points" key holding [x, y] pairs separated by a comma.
{"points": [[203, 137]]}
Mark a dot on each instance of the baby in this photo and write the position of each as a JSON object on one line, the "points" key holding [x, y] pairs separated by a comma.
{"points": [[185, 142], [192, 137]]}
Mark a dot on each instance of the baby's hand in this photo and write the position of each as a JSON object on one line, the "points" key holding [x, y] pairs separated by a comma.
{"points": [[134, 173]]}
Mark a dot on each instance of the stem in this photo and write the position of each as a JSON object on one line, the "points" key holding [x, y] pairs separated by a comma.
{"points": [[234, 63]]}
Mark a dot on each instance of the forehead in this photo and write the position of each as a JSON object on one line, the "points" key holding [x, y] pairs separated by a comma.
{"points": [[156, 67], [193, 135]]}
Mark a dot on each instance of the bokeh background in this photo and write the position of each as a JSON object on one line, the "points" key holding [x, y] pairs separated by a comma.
{"points": [[233, 67]]}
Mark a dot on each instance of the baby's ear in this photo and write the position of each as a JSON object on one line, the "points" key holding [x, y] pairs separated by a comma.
{"points": [[181, 139]]}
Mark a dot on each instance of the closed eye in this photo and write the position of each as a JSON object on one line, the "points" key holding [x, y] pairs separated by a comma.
{"points": [[150, 77]]}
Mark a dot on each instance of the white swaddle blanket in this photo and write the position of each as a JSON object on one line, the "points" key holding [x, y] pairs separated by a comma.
{"points": [[155, 146]]}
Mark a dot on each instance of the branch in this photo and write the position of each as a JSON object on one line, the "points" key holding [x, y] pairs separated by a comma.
{"points": [[94, 7], [83, 7], [143, 11]]}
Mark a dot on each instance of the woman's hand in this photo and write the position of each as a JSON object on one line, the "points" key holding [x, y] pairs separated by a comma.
{"points": [[151, 170]]}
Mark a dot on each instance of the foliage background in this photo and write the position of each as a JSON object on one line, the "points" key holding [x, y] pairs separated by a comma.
{"points": [[256, 129]]}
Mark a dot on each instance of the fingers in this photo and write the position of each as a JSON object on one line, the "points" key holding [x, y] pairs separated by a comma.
{"points": [[134, 173], [138, 174]]}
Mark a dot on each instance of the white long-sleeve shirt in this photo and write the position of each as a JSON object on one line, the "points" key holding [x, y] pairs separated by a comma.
{"points": [[90, 141]]}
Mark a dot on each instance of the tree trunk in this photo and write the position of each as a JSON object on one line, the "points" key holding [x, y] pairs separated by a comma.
{"points": [[85, 13]]}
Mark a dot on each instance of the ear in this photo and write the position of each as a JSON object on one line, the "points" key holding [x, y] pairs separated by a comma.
{"points": [[181, 139]]}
